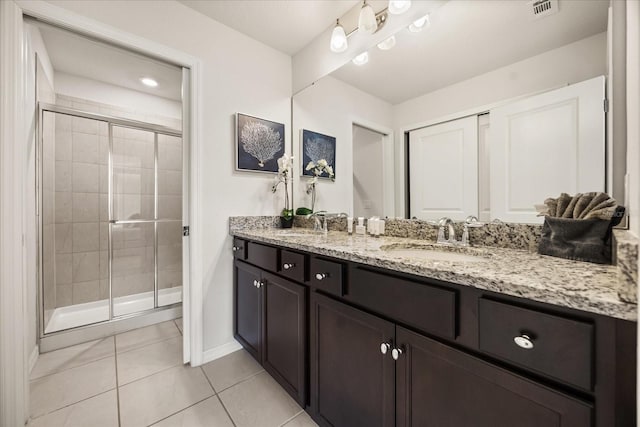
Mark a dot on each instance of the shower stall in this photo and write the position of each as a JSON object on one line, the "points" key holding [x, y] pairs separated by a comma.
{"points": [[110, 202]]}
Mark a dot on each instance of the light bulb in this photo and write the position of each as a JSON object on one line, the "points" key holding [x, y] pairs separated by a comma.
{"points": [[367, 19], [148, 81], [361, 59], [396, 7], [417, 25], [387, 44], [338, 39]]}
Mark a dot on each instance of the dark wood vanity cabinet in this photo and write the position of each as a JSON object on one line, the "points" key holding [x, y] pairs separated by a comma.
{"points": [[363, 346], [271, 323]]}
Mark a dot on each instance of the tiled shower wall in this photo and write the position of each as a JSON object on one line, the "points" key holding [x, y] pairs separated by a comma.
{"points": [[81, 215]]}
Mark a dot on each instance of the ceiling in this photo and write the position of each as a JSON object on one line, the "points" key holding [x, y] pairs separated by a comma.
{"points": [[80, 56], [469, 38], [285, 25]]}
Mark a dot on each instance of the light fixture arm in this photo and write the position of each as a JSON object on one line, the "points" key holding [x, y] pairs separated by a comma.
{"points": [[381, 19]]}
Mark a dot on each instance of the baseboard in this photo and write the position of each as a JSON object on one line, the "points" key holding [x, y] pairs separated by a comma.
{"points": [[33, 358], [220, 351]]}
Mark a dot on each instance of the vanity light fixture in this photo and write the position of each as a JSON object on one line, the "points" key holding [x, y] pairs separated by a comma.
{"points": [[387, 43], [148, 81], [367, 22], [396, 7], [361, 59], [417, 25], [338, 38]]}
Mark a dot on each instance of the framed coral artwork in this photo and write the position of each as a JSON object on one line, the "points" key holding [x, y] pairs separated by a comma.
{"points": [[259, 144], [315, 146]]}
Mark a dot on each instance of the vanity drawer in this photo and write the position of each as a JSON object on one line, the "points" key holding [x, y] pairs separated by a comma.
{"points": [[292, 265], [551, 345], [262, 255], [239, 248], [417, 304], [326, 275]]}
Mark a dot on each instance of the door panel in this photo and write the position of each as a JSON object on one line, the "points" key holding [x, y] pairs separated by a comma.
{"points": [[352, 382], [443, 170], [555, 140], [442, 387], [285, 334], [248, 314]]}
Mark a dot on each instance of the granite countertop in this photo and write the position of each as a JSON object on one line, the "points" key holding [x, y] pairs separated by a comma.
{"points": [[574, 284]]}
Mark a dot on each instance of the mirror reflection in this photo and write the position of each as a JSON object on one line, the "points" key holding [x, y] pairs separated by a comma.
{"points": [[486, 111]]}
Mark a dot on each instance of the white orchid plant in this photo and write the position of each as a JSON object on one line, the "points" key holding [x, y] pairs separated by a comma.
{"points": [[317, 168], [285, 166]]}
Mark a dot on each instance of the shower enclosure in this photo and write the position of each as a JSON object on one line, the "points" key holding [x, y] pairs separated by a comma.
{"points": [[110, 218]]}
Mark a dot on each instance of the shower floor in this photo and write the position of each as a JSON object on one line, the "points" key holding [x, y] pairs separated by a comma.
{"points": [[76, 315]]}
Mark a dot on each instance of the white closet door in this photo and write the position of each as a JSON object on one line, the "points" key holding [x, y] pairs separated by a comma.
{"points": [[443, 170], [484, 177], [545, 145]]}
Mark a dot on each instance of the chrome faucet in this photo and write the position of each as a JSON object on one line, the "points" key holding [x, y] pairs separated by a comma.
{"points": [[320, 220], [451, 238]]}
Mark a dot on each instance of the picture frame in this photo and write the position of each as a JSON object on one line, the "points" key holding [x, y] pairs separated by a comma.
{"points": [[259, 144], [315, 146]]}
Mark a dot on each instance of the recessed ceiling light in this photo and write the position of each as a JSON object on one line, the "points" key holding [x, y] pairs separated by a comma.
{"points": [[387, 44], [361, 59], [417, 25], [148, 81]]}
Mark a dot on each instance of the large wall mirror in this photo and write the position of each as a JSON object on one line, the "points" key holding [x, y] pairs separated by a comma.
{"points": [[487, 111]]}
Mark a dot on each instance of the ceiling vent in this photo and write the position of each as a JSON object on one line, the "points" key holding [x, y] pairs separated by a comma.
{"points": [[542, 8]]}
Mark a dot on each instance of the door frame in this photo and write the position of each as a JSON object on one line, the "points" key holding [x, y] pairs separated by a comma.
{"points": [[13, 360]]}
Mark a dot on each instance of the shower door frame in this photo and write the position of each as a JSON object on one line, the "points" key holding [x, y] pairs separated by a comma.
{"points": [[111, 121]]}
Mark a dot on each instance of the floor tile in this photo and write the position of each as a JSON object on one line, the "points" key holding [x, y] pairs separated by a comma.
{"points": [[153, 398], [70, 357], [145, 336], [208, 413], [260, 402], [302, 420], [98, 411], [153, 358], [231, 369], [73, 385], [179, 324]]}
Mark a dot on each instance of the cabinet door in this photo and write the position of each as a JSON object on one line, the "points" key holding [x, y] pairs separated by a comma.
{"points": [[285, 336], [352, 382], [248, 308], [443, 387]]}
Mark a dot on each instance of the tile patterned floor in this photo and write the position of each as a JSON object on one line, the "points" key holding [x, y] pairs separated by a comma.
{"points": [[137, 379]]}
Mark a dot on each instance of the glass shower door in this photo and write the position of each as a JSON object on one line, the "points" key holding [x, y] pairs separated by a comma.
{"points": [[132, 220]]}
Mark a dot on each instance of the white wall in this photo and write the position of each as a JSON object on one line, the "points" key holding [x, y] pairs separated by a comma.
{"points": [[331, 107], [568, 64], [239, 74], [633, 112], [105, 93]]}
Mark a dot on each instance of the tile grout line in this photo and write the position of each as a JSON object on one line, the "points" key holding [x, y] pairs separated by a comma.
{"points": [[217, 395], [292, 418], [117, 385], [147, 345], [154, 373], [71, 404], [72, 367], [181, 410]]}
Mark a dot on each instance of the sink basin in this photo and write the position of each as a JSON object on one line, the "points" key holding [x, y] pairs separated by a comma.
{"points": [[434, 253]]}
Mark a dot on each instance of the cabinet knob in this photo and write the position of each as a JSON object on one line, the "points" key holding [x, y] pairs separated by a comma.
{"points": [[396, 353], [321, 276], [255, 283], [259, 284], [384, 347], [236, 248], [524, 341], [287, 265]]}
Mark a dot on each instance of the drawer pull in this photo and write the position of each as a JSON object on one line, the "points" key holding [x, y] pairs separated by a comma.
{"points": [[236, 248], [255, 283], [384, 347], [396, 353], [287, 266], [259, 284], [321, 276], [524, 341]]}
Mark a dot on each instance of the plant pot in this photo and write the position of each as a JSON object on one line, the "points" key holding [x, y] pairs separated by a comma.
{"points": [[286, 222]]}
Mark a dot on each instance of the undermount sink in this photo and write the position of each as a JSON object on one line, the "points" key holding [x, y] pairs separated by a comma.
{"points": [[435, 253]]}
